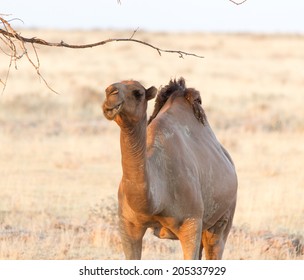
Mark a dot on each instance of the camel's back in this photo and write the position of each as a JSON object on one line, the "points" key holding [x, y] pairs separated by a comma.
{"points": [[190, 159], [176, 131]]}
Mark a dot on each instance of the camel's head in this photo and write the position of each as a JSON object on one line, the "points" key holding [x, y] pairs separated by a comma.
{"points": [[127, 101]]}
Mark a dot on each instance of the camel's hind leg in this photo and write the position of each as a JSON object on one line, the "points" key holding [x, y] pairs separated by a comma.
{"points": [[214, 239]]}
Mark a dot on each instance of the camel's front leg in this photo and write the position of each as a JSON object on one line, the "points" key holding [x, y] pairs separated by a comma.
{"points": [[190, 234], [131, 238]]}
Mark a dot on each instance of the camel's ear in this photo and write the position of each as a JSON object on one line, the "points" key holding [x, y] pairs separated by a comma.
{"points": [[151, 92]]}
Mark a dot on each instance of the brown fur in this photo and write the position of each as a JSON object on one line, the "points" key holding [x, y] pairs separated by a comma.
{"points": [[178, 88]]}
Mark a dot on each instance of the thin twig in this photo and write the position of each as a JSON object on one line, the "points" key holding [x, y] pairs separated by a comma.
{"points": [[7, 75], [39, 41], [238, 3], [9, 34], [133, 34]]}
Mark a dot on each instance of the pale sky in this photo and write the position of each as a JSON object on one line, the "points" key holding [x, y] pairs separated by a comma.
{"points": [[160, 15]]}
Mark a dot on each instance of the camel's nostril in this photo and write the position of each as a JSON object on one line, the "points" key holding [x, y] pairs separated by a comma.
{"points": [[114, 92], [111, 90]]}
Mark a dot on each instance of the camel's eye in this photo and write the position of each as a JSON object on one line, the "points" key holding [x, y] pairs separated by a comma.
{"points": [[137, 94]]}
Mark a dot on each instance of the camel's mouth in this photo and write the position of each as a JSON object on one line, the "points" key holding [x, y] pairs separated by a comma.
{"points": [[111, 112]]}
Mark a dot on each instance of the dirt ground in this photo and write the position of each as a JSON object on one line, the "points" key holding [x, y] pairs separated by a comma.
{"points": [[60, 158]]}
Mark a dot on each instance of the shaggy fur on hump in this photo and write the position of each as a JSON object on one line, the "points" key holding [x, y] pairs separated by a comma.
{"points": [[178, 88]]}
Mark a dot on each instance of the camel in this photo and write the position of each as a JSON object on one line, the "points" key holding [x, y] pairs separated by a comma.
{"points": [[177, 178]]}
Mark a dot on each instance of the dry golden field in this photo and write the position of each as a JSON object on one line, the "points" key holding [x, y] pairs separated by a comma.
{"points": [[60, 158]]}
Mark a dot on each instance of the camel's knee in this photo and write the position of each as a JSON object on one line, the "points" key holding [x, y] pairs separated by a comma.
{"points": [[218, 231], [220, 226]]}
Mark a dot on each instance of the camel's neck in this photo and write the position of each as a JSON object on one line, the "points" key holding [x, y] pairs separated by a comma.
{"points": [[133, 152]]}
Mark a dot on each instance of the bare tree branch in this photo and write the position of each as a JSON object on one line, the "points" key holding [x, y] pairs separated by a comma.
{"points": [[10, 38], [9, 34], [39, 41], [238, 3]]}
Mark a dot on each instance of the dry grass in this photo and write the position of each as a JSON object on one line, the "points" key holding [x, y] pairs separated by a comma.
{"points": [[60, 159]]}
